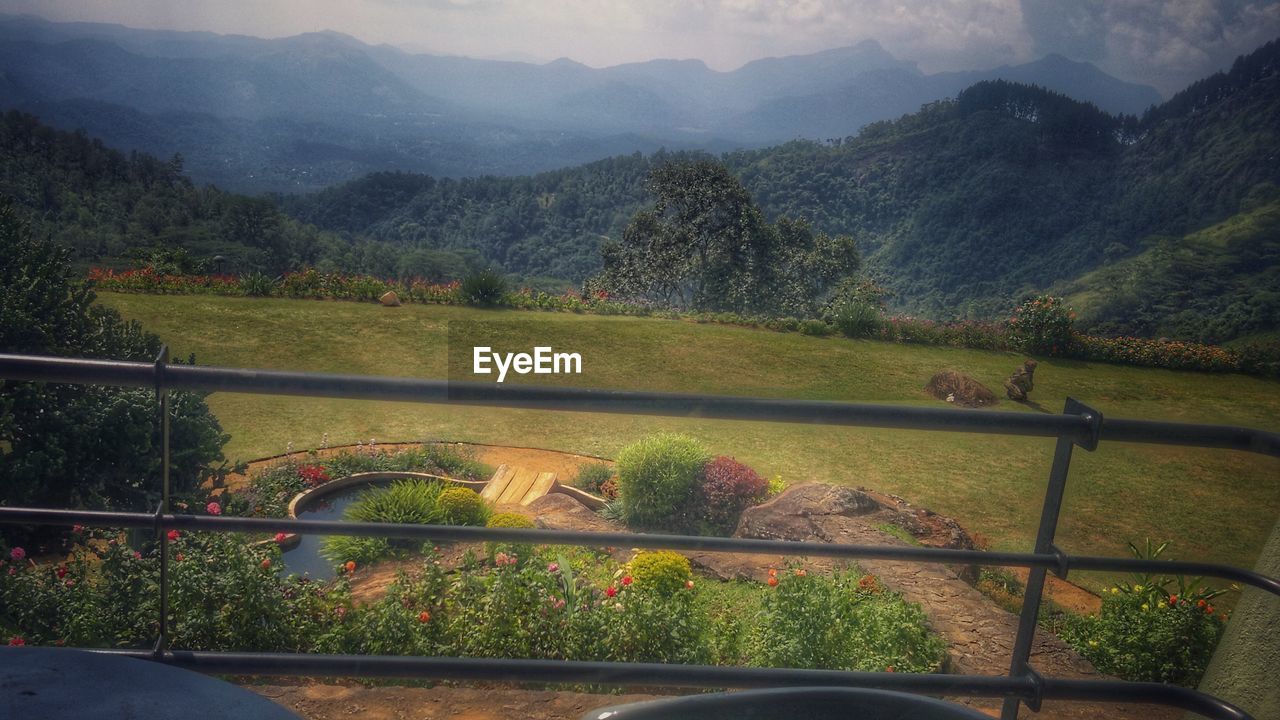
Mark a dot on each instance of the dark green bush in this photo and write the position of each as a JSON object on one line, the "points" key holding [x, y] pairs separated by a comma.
{"points": [[485, 288], [257, 285], [657, 480], [856, 319], [816, 328], [591, 476]]}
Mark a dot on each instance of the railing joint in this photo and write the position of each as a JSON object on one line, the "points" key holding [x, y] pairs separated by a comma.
{"points": [[1037, 687], [1064, 562]]}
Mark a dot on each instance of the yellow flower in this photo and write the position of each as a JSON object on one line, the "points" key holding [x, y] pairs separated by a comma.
{"points": [[1160, 604], [1137, 588], [1093, 643], [1145, 607], [1115, 591]]}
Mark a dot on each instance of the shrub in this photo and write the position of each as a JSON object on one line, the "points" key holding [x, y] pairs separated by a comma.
{"points": [[257, 285], [592, 476], [816, 328], [1154, 629], [657, 480], [485, 288], [1042, 326], [728, 487], [840, 623], [522, 551], [856, 319], [662, 571], [404, 501], [463, 506]]}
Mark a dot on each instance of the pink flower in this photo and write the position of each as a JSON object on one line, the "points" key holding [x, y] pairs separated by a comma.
{"points": [[553, 568], [213, 508], [77, 529], [137, 555], [174, 535], [18, 554]]}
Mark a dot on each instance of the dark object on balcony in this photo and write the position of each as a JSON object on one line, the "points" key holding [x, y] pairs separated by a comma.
{"points": [[789, 703], [60, 683]]}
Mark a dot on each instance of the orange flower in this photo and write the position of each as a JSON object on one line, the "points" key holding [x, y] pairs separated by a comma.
{"points": [[350, 566], [773, 581], [801, 572], [424, 616], [773, 572]]}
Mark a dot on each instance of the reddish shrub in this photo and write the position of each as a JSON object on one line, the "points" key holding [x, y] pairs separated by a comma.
{"points": [[728, 487]]}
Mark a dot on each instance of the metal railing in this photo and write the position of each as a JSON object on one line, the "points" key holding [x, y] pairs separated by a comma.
{"points": [[1078, 425]]}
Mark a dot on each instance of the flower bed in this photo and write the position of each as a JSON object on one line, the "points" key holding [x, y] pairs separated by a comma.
{"points": [[553, 603]]}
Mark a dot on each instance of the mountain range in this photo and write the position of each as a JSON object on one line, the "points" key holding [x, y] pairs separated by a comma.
{"points": [[301, 113]]}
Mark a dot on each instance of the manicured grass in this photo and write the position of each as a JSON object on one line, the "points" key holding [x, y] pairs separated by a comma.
{"points": [[1213, 504]]}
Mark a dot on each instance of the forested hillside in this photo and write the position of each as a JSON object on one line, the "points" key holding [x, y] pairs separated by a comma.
{"points": [[114, 209], [959, 208]]}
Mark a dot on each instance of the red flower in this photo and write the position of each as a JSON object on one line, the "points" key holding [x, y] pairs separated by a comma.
{"points": [[350, 566], [16, 641], [1173, 599], [77, 529], [1201, 603], [174, 535], [1208, 609], [18, 554], [610, 591], [280, 538], [213, 508], [889, 668], [178, 557], [424, 616], [61, 572], [626, 579], [266, 563]]}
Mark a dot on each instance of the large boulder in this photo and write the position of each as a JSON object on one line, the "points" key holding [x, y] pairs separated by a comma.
{"points": [[791, 515]]}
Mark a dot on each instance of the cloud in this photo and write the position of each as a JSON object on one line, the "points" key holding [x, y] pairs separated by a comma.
{"points": [[1166, 43]]}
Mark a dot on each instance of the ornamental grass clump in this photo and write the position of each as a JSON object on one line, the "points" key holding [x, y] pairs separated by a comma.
{"points": [[658, 480]]}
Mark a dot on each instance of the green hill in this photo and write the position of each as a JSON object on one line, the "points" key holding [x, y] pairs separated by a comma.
{"points": [[1215, 284], [1211, 504], [960, 208]]}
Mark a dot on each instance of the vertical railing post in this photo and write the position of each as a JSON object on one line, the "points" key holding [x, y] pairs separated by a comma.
{"points": [[162, 404], [1019, 666]]}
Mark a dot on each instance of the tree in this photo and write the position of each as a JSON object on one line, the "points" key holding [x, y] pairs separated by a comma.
{"points": [[74, 445], [704, 244]]}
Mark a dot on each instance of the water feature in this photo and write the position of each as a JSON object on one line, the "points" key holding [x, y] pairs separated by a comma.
{"points": [[305, 557]]}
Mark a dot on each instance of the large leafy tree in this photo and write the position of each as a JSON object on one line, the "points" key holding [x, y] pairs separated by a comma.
{"points": [[77, 445], [705, 244]]}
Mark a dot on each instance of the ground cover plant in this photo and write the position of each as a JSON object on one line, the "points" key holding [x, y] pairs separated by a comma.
{"points": [[1212, 499]]}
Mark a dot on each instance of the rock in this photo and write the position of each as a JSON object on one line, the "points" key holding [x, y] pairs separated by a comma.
{"points": [[558, 511], [787, 517], [1020, 383], [960, 389], [390, 299]]}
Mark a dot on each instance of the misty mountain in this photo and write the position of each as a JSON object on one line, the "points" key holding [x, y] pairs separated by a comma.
{"points": [[302, 112]]}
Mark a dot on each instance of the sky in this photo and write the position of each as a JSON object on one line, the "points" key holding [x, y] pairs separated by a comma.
{"points": [[1164, 43]]}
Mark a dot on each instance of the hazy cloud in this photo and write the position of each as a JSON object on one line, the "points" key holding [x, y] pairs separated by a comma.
{"points": [[1165, 43]]}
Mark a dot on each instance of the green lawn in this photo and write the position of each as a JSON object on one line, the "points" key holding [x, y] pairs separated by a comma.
{"points": [[1213, 504]]}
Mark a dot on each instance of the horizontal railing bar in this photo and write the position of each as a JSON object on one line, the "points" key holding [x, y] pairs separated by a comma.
{"points": [[793, 548], [191, 377], [675, 675]]}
